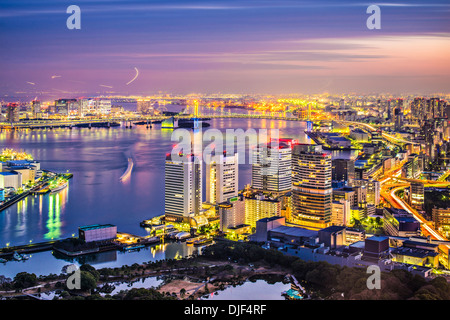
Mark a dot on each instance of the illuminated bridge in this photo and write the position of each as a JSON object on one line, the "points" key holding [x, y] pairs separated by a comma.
{"points": [[72, 122]]}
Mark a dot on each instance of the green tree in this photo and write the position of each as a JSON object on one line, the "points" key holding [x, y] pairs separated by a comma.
{"points": [[88, 281], [24, 280], [91, 270]]}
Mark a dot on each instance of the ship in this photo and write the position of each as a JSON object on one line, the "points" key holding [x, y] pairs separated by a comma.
{"points": [[59, 187]]}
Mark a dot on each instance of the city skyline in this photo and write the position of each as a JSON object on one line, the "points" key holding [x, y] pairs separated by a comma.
{"points": [[228, 46]]}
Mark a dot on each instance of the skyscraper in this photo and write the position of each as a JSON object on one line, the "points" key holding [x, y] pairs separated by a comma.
{"points": [[222, 178], [35, 107], [311, 186], [183, 188], [271, 166], [343, 170], [12, 112], [398, 115], [417, 195]]}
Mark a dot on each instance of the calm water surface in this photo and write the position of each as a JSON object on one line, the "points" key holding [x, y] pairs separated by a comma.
{"points": [[258, 290], [97, 158]]}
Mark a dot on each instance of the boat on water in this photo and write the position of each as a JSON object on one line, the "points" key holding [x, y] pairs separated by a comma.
{"points": [[17, 256], [130, 248], [59, 187], [3, 260], [198, 240]]}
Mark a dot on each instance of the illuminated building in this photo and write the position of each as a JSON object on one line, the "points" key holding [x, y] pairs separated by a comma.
{"points": [[12, 112], [338, 236], [271, 166], [97, 232], [86, 107], [417, 195], [231, 213], [311, 184], [343, 170], [260, 206], [263, 226], [145, 106], [183, 188], [222, 178], [359, 135], [346, 193], [417, 253], [64, 106], [10, 180], [376, 247], [372, 190], [35, 107], [400, 223], [103, 106], [340, 213], [441, 219], [411, 169]]}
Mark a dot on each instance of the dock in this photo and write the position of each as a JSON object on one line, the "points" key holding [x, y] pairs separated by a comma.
{"points": [[41, 188]]}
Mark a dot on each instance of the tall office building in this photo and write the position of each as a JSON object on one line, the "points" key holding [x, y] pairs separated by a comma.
{"points": [[311, 186], [398, 115], [417, 195], [183, 188], [271, 166], [12, 112], [222, 178], [35, 107], [343, 170], [64, 106], [372, 190]]}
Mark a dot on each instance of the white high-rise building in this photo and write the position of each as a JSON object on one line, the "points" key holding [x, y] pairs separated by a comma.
{"points": [[271, 166], [222, 178], [231, 213], [183, 188]]}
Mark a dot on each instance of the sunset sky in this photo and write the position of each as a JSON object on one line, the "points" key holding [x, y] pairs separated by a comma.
{"points": [[236, 46]]}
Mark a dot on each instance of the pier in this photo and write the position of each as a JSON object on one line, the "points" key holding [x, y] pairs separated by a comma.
{"points": [[41, 188]]}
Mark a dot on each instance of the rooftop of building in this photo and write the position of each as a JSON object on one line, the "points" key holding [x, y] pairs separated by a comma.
{"points": [[19, 162], [358, 244], [420, 243], [239, 227], [332, 229], [270, 219], [414, 252], [96, 226], [377, 238], [403, 219], [295, 231], [8, 173]]}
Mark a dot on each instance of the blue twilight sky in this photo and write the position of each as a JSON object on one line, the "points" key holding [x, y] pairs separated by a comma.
{"points": [[183, 46]]}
